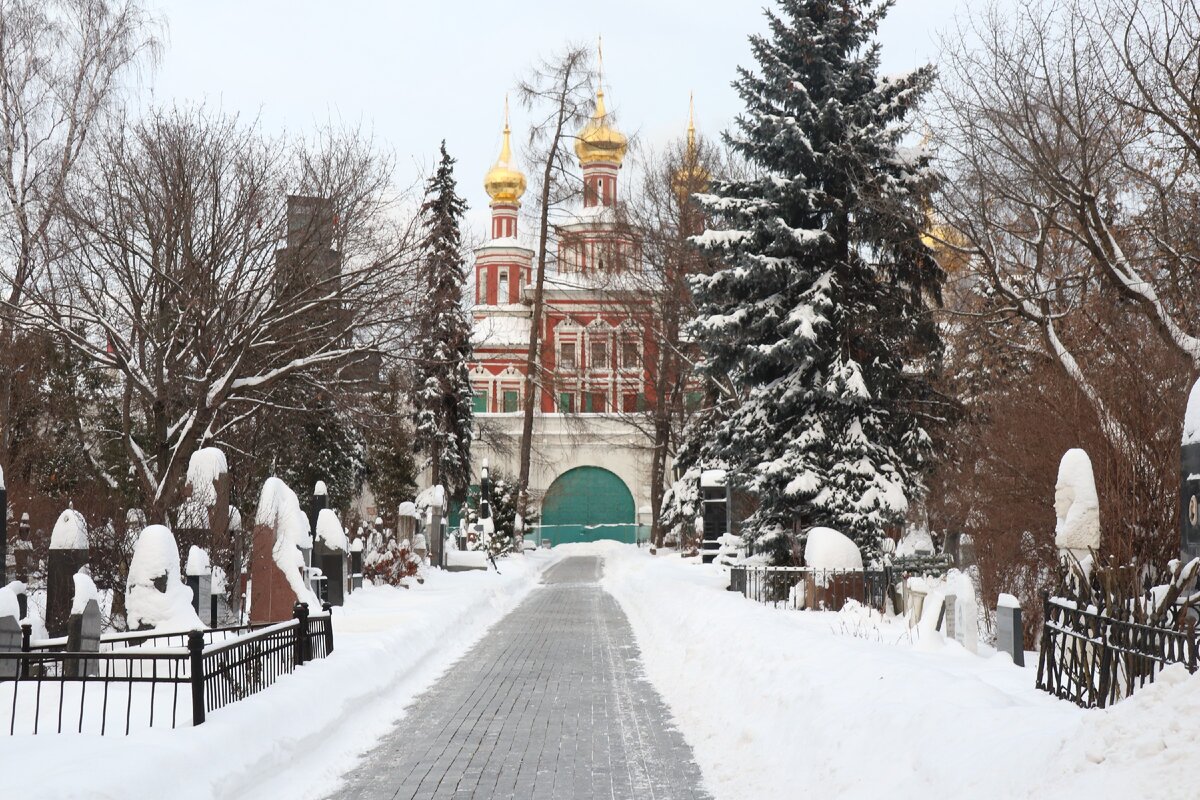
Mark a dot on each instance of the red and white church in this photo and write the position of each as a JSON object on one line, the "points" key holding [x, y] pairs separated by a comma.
{"points": [[590, 459]]}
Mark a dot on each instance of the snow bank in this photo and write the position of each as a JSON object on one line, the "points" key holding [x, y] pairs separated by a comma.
{"points": [[85, 590], [774, 700], [70, 532], [829, 549], [1076, 504], [329, 530], [279, 508], [154, 557], [197, 562], [295, 739]]}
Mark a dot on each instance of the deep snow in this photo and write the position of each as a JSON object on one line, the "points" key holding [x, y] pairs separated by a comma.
{"points": [[297, 737]]}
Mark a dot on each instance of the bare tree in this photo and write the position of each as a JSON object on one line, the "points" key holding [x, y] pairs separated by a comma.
{"points": [[174, 282], [558, 91], [61, 66]]}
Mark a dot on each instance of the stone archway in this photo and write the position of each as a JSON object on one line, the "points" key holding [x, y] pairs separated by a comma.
{"points": [[585, 504]]}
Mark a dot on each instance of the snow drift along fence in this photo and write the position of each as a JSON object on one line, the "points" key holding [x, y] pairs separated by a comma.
{"points": [[1095, 660], [153, 680], [808, 588]]}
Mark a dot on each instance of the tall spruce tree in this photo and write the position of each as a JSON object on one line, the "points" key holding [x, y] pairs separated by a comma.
{"points": [[821, 315], [442, 384]]}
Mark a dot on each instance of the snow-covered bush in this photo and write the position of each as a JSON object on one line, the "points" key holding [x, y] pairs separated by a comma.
{"points": [[390, 564]]}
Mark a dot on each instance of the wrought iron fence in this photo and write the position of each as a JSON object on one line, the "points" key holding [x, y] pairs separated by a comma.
{"points": [[808, 588], [153, 680], [1094, 660]]}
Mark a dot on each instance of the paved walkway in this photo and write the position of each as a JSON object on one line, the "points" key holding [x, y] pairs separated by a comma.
{"points": [[549, 704]]}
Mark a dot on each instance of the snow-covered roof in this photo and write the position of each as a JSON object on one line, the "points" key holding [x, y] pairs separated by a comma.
{"points": [[70, 532]]}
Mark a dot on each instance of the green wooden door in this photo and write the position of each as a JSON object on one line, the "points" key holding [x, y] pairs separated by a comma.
{"points": [[588, 503]]}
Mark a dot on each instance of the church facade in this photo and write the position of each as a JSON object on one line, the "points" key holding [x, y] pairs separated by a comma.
{"points": [[590, 462]]}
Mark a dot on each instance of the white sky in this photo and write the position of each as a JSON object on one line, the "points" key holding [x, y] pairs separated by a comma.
{"points": [[416, 72]]}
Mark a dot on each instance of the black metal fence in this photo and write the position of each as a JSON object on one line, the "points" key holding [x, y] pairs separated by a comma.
{"points": [[805, 587], [153, 680], [1095, 660]]}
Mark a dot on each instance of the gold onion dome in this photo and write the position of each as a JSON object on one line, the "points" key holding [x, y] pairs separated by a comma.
{"points": [[599, 142], [504, 183], [691, 175]]}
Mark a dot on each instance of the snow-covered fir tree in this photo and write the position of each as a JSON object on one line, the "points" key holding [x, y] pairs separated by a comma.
{"points": [[442, 384], [820, 316]]}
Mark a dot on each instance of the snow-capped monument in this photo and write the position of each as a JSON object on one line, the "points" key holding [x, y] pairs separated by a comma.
{"points": [[1076, 505]]}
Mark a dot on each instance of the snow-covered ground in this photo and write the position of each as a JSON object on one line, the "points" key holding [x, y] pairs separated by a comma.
{"points": [[783, 703], [295, 738]]}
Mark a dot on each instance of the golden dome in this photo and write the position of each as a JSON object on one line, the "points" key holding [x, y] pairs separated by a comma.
{"points": [[598, 142], [503, 183], [691, 175]]}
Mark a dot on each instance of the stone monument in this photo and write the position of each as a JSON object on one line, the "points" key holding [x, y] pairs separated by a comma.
{"points": [[1076, 506], [277, 565], [68, 552]]}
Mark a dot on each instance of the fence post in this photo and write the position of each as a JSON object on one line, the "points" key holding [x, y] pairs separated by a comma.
{"points": [[1105, 664], [26, 646], [1046, 655], [300, 612], [196, 653], [1191, 644], [328, 609]]}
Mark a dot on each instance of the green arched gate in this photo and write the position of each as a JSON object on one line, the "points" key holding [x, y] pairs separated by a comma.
{"points": [[588, 503]]}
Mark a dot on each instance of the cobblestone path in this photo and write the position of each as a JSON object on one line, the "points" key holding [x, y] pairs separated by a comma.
{"points": [[549, 704]]}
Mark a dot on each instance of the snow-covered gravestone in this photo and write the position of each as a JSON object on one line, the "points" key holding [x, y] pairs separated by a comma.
{"points": [[1009, 633], [199, 579], [68, 552], [1189, 462], [277, 560], [329, 554], [962, 611], [1076, 506], [155, 595], [83, 628], [203, 516], [10, 631], [835, 569], [356, 562]]}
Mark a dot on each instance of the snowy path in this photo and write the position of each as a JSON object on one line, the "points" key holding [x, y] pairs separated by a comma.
{"points": [[549, 704]]}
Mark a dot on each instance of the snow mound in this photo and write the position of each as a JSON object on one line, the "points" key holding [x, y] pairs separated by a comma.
{"points": [[320, 489], [198, 562], [85, 590], [409, 510], [329, 530], [1151, 732], [829, 549], [70, 532], [9, 607], [433, 496], [915, 540], [154, 557], [205, 468], [1007, 601], [279, 508]]}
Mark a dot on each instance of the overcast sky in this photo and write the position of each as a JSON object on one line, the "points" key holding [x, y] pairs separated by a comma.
{"points": [[417, 72]]}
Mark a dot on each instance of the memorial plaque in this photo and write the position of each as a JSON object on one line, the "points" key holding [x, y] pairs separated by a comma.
{"points": [[1009, 636], [83, 636], [951, 618]]}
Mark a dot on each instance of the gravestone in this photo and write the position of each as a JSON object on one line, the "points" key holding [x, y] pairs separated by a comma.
{"points": [[277, 557], [951, 601], [714, 498], [356, 565], [83, 636], [68, 552], [23, 560], [1009, 636], [329, 555], [10, 642]]}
